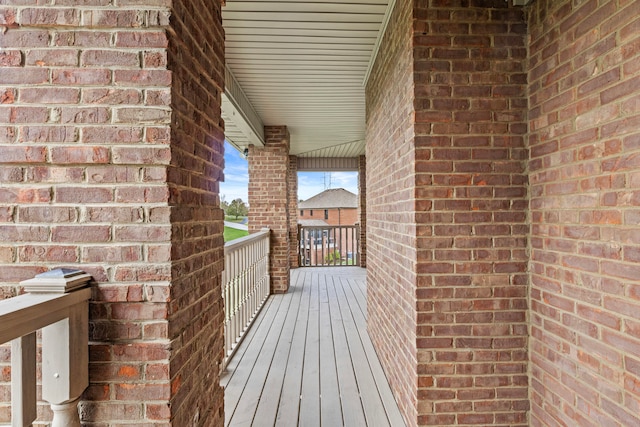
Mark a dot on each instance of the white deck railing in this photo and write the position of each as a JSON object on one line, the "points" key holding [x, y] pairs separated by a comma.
{"points": [[329, 245], [246, 284], [57, 303]]}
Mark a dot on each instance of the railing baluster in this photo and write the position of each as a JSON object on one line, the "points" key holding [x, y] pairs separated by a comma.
{"points": [[233, 302], [228, 304], [337, 241], [317, 249], [351, 246], [252, 275], [249, 285], [246, 285], [322, 247], [332, 249], [238, 298], [23, 381], [241, 292], [246, 292], [356, 243]]}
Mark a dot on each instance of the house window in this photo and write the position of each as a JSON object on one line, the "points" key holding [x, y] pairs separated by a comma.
{"points": [[326, 214], [301, 212], [311, 212]]}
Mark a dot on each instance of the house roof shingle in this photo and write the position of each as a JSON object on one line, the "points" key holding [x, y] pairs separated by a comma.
{"points": [[331, 199]]}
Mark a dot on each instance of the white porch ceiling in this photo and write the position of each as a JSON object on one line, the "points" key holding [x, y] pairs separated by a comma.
{"points": [[303, 64]]}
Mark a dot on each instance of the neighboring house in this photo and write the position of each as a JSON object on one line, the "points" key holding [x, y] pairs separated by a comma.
{"points": [[331, 208], [335, 206]]}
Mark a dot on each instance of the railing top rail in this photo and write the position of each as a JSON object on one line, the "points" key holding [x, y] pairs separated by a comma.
{"points": [[24, 314], [328, 226], [56, 303], [245, 241]]}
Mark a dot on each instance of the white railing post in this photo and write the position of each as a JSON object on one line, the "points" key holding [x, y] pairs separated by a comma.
{"points": [[65, 346]]}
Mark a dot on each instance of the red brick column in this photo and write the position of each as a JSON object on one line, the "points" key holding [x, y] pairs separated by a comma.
{"points": [[446, 205], [111, 153], [362, 208], [391, 252], [292, 180], [195, 310], [471, 209], [268, 199]]}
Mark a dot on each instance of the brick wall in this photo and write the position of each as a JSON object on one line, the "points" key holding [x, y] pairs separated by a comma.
{"points": [[584, 76], [292, 181], [268, 199], [391, 228], [343, 216], [111, 144], [447, 218], [362, 209], [96, 174], [333, 216]]}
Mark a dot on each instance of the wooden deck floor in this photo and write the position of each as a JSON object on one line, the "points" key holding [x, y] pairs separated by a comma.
{"points": [[308, 359]]}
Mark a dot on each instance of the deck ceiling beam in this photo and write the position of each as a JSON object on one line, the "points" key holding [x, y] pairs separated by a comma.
{"points": [[236, 107]]}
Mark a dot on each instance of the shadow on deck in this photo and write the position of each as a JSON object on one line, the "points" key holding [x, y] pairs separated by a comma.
{"points": [[308, 359]]}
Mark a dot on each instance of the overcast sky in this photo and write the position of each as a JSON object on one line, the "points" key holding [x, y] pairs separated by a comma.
{"points": [[309, 183]]}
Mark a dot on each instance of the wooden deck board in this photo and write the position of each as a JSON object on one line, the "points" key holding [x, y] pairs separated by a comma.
{"points": [[267, 410], [262, 357], [232, 365], [308, 360], [391, 407], [239, 371], [330, 408], [352, 410], [371, 401], [310, 400], [259, 356], [289, 406]]}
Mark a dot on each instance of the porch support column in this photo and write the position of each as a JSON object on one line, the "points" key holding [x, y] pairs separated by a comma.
{"points": [[447, 210], [362, 209], [293, 212], [268, 199], [110, 161]]}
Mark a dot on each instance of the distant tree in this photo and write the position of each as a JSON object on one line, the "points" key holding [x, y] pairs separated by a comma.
{"points": [[237, 208], [224, 205], [333, 257]]}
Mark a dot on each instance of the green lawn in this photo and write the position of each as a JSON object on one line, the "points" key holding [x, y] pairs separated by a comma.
{"points": [[233, 233]]}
